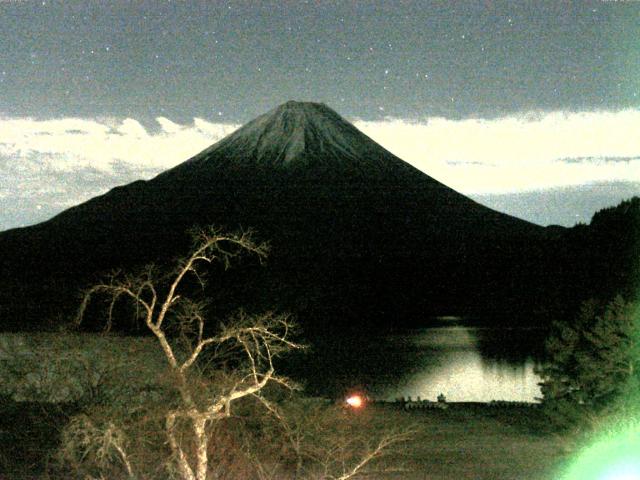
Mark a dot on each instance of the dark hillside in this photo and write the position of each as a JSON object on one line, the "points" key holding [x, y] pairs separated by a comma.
{"points": [[602, 259]]}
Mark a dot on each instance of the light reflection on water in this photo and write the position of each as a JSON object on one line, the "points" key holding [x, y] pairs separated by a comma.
{"points": [[450, 361]]}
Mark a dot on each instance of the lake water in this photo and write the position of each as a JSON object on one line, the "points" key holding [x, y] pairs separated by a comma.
{"points": [[464, 363], [458, 363]]}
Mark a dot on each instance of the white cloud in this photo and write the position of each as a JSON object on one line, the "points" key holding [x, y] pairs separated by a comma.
{"points": [[132, 129], [519, 153], [68, 144], [168, 126]]}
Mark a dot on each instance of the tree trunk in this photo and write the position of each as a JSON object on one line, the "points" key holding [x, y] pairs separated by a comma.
{"points": [[183, 465], [199, 426]]}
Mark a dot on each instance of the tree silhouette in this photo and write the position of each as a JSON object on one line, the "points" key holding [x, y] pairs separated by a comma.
{"points": [[592, 363]]}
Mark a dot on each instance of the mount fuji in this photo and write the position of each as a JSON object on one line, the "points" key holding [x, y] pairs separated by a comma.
{"points": [[359, 237]]}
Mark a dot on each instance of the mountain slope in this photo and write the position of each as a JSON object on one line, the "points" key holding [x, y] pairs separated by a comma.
{"points": [[358, 235]]}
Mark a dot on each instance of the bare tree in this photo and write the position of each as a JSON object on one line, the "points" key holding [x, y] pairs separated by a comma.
{"points": [[162, 305]]}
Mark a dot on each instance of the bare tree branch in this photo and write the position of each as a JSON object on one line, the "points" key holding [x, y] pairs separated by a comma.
{"points": [[259, 338]]}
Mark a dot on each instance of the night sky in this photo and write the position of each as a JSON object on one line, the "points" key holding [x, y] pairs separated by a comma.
{"points": [[532, 107]]}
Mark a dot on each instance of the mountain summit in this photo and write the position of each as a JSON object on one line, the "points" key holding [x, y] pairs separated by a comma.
{"points": [[292, 132], [357, 234]]}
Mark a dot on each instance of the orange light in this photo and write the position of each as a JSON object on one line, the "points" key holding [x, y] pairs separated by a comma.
{"points": [[355, 401]]}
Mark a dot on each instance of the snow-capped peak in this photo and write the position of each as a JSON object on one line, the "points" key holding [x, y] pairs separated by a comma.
{"points": [[295, 131]]}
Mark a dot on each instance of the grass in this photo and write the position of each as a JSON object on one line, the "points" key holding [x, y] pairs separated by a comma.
{"points": [[477, 442], [465, 441]]}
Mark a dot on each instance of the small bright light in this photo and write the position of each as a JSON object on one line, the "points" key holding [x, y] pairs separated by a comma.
{"points": [[355, 401]]}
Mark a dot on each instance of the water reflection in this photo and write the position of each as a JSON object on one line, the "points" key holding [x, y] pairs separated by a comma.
{"points": [[468, 364], [465, 363]]}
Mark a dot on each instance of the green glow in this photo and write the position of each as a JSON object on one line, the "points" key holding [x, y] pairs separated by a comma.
{"points": [[615, 456], [615, 452]]}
